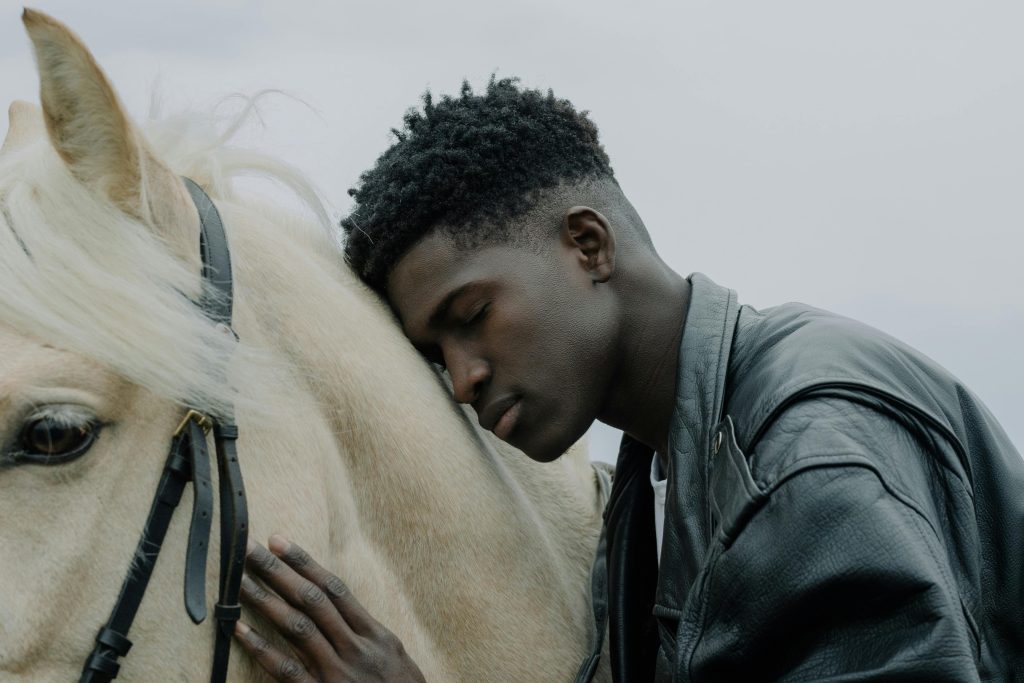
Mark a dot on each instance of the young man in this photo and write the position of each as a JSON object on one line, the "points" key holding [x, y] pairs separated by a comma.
{"points": [[797, 497]]}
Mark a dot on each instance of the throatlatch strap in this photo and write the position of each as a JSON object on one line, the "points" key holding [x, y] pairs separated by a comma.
{"points": [[234, 534]]}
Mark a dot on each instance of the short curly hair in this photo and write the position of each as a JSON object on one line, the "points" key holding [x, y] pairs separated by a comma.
{"points": [[471, 163]]}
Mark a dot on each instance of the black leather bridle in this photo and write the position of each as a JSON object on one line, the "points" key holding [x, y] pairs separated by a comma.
{"points": [[189, 461]]}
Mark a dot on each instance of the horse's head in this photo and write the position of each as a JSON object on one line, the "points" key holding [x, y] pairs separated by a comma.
{"points": [[349, 442], [98, 258]]}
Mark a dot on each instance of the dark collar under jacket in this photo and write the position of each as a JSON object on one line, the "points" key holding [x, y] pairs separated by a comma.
{"points": [[633, 565]]}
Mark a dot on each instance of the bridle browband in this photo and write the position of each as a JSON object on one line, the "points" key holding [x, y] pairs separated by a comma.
{"points": [[189, 461]]}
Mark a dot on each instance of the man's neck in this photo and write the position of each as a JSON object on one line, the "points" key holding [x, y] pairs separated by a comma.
{"points": [[643, 389]]}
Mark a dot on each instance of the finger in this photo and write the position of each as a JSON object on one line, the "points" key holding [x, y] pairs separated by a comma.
{"points": [[250, 593], [274, 662], [298, 628], [335, 589], [300, 593]]}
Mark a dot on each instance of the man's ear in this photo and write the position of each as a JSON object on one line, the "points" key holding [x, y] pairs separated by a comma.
{"points": [[588, 232]]}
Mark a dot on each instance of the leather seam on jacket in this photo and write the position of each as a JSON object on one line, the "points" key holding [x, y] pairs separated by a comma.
{"points": [[951, 584], [851, 459], [731, 303], [705, 576], [788, 396], [773, 480]]}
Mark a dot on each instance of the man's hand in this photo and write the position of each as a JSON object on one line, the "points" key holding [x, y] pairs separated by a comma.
{"points": [[334, 637]]}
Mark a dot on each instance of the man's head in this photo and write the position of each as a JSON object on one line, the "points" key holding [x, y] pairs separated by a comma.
{"points": [[492, 226]]}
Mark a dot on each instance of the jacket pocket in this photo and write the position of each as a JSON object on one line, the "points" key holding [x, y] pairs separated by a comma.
{"points": [[734, 496], [668, 628]]}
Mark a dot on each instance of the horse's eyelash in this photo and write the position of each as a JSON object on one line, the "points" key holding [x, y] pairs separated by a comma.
{"points": [[65, 415]]}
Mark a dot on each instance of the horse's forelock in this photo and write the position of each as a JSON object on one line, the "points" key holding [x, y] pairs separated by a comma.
{"points": [[78, 273]]}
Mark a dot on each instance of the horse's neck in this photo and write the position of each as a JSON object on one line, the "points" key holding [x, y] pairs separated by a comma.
{"points": [[482, 547]]}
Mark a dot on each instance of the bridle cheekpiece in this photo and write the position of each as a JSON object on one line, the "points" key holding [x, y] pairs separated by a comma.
{"points": [[189, 461]]}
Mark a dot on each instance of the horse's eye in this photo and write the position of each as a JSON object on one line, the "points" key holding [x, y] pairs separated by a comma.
{"points": [[49, 440]]}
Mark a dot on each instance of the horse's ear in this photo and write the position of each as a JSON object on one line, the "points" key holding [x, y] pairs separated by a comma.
{"points": [[25, 123], [93, 135]]}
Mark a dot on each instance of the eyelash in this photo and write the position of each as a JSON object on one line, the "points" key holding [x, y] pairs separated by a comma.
{"points": [[479, 315]]}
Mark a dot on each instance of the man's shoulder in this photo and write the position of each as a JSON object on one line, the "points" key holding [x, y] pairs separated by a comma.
{"points": [[809, 388], [791, 346], [837, 431], [784, 355]]}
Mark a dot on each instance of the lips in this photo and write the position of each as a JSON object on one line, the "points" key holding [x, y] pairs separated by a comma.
{"points": [[493, 413], [507, 422]]}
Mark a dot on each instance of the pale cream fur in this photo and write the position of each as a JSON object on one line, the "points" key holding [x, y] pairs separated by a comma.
{"points": [[475, 556]]}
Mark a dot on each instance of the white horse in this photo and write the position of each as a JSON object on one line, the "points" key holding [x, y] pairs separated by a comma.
{"points": [[476, 557]]}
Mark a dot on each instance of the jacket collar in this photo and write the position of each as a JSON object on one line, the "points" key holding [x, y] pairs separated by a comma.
{"points": [[700, 388]]}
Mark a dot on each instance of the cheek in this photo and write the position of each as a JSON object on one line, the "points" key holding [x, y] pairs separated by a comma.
{"points": [[531, 325], [552, 329], [558, 338]]}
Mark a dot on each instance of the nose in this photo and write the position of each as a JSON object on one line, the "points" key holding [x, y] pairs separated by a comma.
{"points": [[469, 372]]}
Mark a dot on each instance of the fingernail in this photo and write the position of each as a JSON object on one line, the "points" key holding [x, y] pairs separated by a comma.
{"points": [[278, 544], [241, 628], [250, 546]]}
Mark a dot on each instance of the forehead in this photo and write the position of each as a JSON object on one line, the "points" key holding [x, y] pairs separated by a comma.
{"points": [[435, 266], [31, 370]]}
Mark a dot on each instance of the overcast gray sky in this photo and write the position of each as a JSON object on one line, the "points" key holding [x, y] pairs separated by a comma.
{"points": [[865, 157]]}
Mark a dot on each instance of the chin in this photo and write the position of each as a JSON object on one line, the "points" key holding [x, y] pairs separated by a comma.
{"points": [[545, 456], [543, 449]]}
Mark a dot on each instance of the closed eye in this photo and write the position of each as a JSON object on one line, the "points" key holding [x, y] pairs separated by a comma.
{"points": [[479, 315], [433, 353]]}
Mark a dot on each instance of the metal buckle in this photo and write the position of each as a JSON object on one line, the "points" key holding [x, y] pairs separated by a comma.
{"points": [[200, 419]]}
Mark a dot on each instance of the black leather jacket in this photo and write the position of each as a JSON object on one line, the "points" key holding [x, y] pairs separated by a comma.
{"points": [[839, 508]]}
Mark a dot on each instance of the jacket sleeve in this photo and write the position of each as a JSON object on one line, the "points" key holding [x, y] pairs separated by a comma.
{"points": [[834, 578]]}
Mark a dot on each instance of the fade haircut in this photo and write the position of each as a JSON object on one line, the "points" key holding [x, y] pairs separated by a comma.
{"points": [[471, 163]]}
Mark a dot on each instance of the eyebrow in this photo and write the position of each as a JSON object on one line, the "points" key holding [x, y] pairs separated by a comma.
{"points": [[441, 312]]}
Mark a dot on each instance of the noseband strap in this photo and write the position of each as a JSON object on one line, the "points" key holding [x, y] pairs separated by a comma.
{"points": [[189, 461]]}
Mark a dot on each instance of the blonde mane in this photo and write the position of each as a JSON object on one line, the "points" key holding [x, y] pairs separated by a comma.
{"points": [[80, 274]]}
